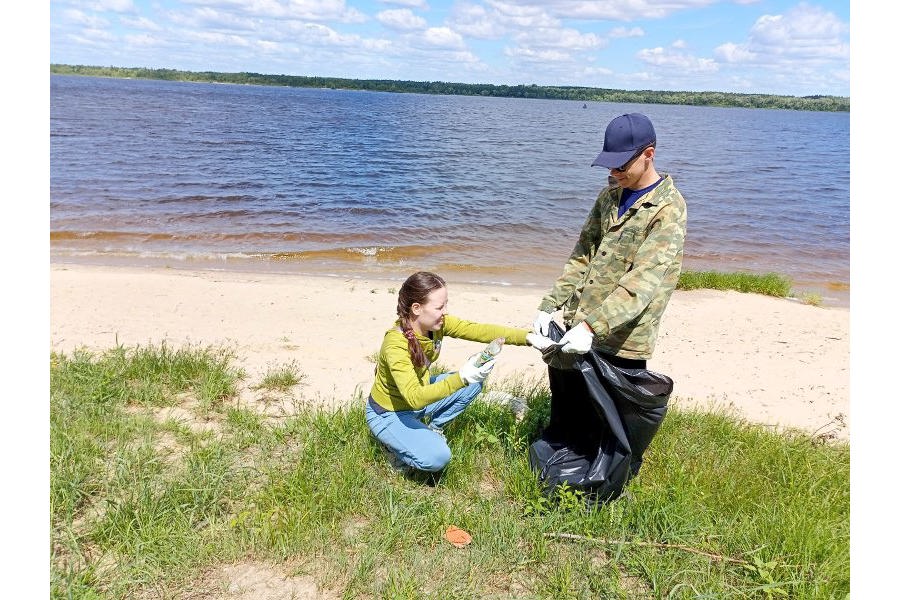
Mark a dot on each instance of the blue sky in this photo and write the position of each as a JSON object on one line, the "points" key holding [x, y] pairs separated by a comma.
{"points": [[753, 46]]}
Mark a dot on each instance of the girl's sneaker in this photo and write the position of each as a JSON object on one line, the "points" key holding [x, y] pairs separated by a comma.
{"points": [[395, 461], [437, 430]]}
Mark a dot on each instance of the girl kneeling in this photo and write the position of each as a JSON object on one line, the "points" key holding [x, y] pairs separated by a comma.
{"points": [[405, 395]]}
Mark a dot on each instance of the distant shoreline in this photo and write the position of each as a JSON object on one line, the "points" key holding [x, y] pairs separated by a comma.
{"points": [[818, 103]]}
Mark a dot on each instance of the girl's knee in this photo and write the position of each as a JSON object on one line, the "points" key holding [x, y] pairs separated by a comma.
{"points": [[434, 459]]}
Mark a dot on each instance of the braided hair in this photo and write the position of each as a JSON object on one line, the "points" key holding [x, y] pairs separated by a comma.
{"points": [[415, 290]]}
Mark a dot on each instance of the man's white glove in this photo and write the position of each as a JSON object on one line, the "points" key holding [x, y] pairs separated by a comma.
{"points": [[577, 340], [542, 322], [541, 342], [471, 374]]}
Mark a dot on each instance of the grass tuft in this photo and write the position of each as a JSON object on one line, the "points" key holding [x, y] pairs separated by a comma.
{"points": [[769, 284], [282, 378], [811, 299]]}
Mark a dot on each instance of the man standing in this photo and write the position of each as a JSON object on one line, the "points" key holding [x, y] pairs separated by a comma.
{"points": [[619, 278]]}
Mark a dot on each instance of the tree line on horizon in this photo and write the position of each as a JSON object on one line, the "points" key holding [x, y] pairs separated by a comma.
{"points": [[721, 99]]}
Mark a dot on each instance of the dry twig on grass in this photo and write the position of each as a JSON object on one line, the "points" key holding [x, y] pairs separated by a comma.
{"points": [[572, 536]]}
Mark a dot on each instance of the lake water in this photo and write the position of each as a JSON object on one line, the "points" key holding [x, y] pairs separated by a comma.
{"points": [[371, 184]]}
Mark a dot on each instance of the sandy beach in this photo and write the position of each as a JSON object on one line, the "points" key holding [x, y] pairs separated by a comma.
{"points": [[767, 360]]}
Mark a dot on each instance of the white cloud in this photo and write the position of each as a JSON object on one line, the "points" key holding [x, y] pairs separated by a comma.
{"points": [[409, 3], [443, 37], [207, 17], [622, 32], [119, 6], [144, 40], [611, 10], [95, 36], [310, 10], [741, 83], [80, 18], [732, 53], [538, 56], [497, 19], [679, 44], [465, 58], [325, 10], [520, 15], [804, 31], [537, 36], [554, 44], [475, 21], [202, 18], [140, 23], [641, 76], [219, 39], [671, 58], [267, 46], [568, 39], [589, 72], [401, 19], [804, 34], [326, 36]]}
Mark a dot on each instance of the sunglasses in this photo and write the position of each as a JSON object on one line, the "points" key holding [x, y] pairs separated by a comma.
{"points": [[624, 167]]}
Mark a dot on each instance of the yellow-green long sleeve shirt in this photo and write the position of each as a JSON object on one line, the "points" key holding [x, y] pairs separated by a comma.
{"points": [[622, 271], [399, 385]]}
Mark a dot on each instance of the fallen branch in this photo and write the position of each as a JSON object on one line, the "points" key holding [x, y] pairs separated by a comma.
{"points": [[572, 536]]}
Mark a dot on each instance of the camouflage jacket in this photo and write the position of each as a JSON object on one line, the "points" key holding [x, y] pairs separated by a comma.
{"points": [[621, 274]]}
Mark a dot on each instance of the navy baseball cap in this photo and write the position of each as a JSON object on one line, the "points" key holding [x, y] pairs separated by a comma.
{"points": [[625, 135]]}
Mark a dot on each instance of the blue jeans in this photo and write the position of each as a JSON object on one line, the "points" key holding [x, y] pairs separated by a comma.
{"points": [[414, 442]]}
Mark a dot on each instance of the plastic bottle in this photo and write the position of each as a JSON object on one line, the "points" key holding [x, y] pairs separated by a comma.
{"points": [[490, 351]]}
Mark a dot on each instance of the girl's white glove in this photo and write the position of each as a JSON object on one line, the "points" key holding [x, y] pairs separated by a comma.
{"points": [[471, 374], [539, 341]]}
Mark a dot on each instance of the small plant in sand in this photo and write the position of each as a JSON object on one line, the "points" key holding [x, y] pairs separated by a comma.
{"points": [[281, 378], [811, 299]]}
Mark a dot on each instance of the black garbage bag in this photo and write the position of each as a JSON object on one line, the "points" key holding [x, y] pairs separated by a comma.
{"points": [[602, 419]]}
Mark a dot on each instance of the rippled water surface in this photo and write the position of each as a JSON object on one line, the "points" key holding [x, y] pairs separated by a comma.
{"points": [[479, 189]]}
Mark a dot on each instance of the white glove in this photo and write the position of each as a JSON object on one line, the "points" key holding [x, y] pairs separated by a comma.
{"points": [[542, 322], [539, 341], [472, 374], [577, 340]]}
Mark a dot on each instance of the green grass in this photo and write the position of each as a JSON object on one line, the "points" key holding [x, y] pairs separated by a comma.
{"points": [[811, 299], [281, 378], [143, 506], [770, 284]]}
